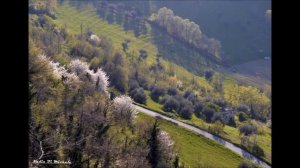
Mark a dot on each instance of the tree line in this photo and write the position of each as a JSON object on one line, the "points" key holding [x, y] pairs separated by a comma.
{"points": [[187, 31]]}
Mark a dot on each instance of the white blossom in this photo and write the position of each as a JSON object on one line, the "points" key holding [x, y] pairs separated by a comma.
{"points": [[71, 78], [99, 78], [79, 70], [94, 38], [124, 109], [166, 145], [79, 67], [123, 102], [59, 71], [43, 57], [165, 139]]}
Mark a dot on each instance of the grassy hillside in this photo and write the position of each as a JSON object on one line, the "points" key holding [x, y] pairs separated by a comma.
{"points": [[194, 149], [153, 42], [72, 18]]}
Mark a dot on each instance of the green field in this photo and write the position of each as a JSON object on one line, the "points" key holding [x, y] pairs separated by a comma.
{"points": [[194, 149]]}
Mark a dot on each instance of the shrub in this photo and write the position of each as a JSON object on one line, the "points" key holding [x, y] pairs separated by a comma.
{"points": [[151, 87], [119, 78], [218, 117], [138, 95], [125, 46], [170, 104], [213, 106], [261, 129], [217, 127], [248, 129], [113, 92], [172, 91], [231, 122], [45, 20], [143, 54], [220, 103], [243, 108], [143, 82], [95, 63], [85, 49], [186, 107], [208, 113], [257, 150], [156, 93], [208, 74], [164, 99], [243, 116], [133, 84], [187, 93], [62, 59], [198, 107], [186, 112], [184, 102], [118, 59], [191, 96]]}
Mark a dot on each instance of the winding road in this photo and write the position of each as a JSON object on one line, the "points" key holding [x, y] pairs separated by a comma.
{"points": [[225, 143]]}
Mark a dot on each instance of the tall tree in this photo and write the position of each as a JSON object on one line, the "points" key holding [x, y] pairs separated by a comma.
{"points": [[153, 155]]}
